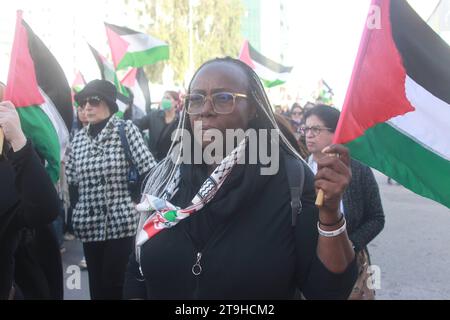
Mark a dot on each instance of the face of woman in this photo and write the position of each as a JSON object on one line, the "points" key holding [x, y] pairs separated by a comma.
{"points": [[82, 116], [96, 110], [297, 115], [168, 102], [217, 78], [316, 134]]}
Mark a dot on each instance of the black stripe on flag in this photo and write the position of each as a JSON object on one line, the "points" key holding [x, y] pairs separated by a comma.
{"points": [[122, 31], [426, 56], [270, 64], [50, 76], [98, 60], [143, 84]]}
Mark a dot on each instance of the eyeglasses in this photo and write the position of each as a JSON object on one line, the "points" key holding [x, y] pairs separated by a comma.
{"points": [[93, 101], [315, 130], [222, 102], [297, 113]]}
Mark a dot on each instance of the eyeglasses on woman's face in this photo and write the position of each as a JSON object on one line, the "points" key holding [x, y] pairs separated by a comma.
{"points": [[93, 101], [222, 102], [314, 130]]}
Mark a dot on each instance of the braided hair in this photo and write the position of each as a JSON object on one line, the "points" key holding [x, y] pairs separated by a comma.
{"points": [[162, 174]]}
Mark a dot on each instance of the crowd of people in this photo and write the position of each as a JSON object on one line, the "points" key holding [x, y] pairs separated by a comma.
{"points": [[155, 227]]}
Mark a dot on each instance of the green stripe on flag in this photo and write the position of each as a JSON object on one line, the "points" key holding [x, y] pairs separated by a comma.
{"points": [[406, 161], [39, 129], [271, 84], [142, 58]]}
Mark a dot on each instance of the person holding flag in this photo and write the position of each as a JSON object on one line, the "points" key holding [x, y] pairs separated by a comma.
{"points": [[227, 231], [27, 196]]}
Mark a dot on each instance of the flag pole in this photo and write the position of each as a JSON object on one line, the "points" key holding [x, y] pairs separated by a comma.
{"points": [[320, 194], [2, 136]]}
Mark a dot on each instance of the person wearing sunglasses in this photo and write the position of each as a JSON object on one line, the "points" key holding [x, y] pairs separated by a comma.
{"points": [[225, 230], [104, 216], [361, 203]]}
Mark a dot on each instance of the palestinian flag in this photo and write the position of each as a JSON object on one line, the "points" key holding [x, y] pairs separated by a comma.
{"points": [[130, 48], [38, 88], [109, 74], [79, 82], [77, 85], [271, 73], [136, 80], [396, 116]]}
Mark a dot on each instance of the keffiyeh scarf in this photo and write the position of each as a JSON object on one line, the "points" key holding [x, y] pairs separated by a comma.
{"points": [[161, 214]]}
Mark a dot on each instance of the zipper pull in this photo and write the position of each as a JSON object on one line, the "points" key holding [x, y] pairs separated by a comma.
{"points": [[197, 268], [142, 279]]}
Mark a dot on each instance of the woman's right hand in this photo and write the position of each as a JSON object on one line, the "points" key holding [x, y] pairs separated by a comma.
{"points": [[10, 123]]}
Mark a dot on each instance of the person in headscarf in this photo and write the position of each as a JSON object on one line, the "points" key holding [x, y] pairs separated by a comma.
{"points": [[225, 229]]}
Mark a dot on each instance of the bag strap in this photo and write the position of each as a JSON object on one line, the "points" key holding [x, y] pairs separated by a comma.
{"points": [[295, 172], [125, 145]]}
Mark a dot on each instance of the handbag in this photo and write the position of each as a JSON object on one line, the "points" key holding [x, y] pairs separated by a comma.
{"points": [[361, 290], [133, 177]]}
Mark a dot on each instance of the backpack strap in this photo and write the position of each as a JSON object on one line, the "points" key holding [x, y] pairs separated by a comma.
{"points": [[295, 172], [124, 141]]}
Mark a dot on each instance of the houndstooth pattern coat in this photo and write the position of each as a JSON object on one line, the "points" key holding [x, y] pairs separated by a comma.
{"points": [[99, 168]]}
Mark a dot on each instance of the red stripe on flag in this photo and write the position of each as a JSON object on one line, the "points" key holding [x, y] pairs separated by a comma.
{"points": [[377, 87], [244, 55], [118, 46], [22, 87], [130, 78]]}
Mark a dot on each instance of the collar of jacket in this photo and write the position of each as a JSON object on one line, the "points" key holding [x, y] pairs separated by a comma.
{"points": [[105, 133]]}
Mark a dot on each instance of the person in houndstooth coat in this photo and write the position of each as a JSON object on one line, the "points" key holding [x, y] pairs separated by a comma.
{"points": [[104, 216]]}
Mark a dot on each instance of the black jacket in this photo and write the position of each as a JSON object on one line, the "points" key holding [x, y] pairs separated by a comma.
{"points": [[27, 200], [362, 206], [249, 249], [159, 132]]}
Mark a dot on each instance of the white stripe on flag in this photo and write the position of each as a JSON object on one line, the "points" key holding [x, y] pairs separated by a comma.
{"points": [[429, 125], [58, 123], [139, 98], [265, 73], [141, 42]]}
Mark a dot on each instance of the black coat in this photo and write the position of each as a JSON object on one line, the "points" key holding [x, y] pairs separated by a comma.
{"points": [[362, 206], [249, 249], [159, 132], [27, 200]]}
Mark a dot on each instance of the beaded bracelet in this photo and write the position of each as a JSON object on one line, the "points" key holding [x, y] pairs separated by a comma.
{"points": [[334, 224]]}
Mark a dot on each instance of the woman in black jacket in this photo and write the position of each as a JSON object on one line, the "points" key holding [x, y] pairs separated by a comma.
{"points": [[161, 124], [361, 202], [27, 196], [236, 237]]}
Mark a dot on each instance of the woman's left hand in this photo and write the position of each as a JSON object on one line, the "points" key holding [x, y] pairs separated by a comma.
{"points": [[333, 176], [10, 123]]}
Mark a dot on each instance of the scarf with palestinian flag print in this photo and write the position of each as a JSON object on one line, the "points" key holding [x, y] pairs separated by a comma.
{"points": [[158, 214]]}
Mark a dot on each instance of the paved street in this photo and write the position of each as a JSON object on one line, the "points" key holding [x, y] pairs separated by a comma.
{"points": [[413, 250]]}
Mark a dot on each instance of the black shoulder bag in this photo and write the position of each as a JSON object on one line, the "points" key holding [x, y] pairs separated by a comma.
{"points": [[133, 172]]}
